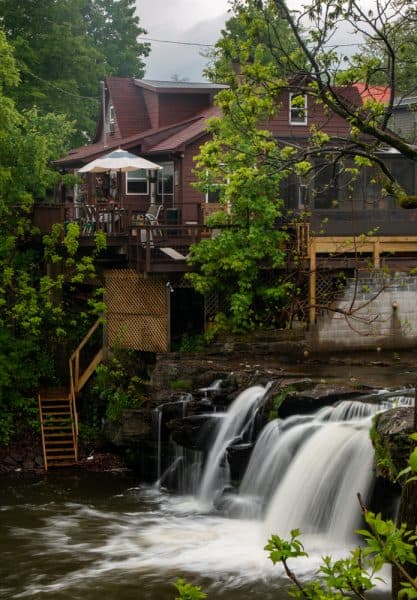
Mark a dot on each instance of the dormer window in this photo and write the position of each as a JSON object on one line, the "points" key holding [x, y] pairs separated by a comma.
{"points": [[298, 109]]}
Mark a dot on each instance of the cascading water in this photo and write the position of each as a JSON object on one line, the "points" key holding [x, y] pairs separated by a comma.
{"points": [[304, 473], [240, 413]]}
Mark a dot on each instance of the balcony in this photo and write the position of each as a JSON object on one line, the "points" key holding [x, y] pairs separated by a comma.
{"points": [[158, 246]]}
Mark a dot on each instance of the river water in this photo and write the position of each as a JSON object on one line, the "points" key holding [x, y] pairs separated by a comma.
{"points": [[89, 536]]}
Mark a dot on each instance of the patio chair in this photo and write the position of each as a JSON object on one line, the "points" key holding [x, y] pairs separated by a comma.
{"points": [[152, 216], [89, 221]]}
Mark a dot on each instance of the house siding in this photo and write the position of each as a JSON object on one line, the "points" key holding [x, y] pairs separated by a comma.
{"points": [[317, 114], [405, 123], [179, 107], [191, 195], [151, 100]]}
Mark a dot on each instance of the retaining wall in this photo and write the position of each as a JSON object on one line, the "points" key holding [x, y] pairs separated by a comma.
{"points": [[373, 311]]}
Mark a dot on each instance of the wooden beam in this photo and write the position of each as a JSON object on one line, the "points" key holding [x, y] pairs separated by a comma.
{"points": [[312, 282]]}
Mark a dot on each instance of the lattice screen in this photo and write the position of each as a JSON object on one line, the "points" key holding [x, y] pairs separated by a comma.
{"points": [[137, 311], [325, 289]]}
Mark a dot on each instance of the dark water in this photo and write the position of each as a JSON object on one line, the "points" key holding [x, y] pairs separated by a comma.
{"points": [[96, 536]]}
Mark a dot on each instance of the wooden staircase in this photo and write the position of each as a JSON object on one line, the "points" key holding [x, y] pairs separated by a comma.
{"points": [[58, 410], [59, 438]]}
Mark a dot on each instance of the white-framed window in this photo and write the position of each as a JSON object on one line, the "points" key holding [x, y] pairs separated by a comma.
{"points": [[297, 108], [111, 119], [137, 182], [165, 183]]}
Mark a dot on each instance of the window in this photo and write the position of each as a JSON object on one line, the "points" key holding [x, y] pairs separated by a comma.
{"points": [[137, 182], [165, 184], [111, 119], [298, 109]]}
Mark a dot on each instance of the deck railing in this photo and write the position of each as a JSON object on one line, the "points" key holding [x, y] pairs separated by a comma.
{"points": [[78, 379]]}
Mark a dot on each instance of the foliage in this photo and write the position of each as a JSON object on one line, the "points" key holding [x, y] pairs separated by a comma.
{"points": [[117, 384], [187, 591], [277, 401], [64, 48], [192, 343], [383, 455], [263, 53], [38, 278], [255, 33], [240, 162], [181, 384]]}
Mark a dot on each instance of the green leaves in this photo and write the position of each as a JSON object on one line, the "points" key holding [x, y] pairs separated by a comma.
{"points": [[281, 550], [187, 591]]}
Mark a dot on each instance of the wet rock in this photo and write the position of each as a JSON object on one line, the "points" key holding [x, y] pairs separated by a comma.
{"points": [[195, 432], [391, 440], [28, 464], [39, 461], [238, 456], [133, 427], [322, 394]]}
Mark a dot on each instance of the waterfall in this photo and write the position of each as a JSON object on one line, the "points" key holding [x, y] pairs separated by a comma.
{"points": [[317, 489], [234, 423], [183, 473]]}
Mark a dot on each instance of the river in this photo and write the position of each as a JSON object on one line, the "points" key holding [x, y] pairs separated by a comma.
{"points": [[90, 536], [82, 535]]}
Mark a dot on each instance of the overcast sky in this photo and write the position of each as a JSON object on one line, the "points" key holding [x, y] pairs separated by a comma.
{"points": [[198, 21]]}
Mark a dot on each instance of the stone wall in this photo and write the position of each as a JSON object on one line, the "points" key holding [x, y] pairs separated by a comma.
{"points": [[373, 311]]}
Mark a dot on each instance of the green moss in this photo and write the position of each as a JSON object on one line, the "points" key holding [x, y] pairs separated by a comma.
{"points": [[277, 401], [383, 455], [181, 384]]}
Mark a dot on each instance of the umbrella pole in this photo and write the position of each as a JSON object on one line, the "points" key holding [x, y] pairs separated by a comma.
{"points": [[152, 179]]}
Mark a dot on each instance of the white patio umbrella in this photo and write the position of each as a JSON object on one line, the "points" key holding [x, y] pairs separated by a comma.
{"points": [[118, 160]]}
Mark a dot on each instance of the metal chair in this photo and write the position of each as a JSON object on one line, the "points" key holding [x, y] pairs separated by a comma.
{"points": [[152, 218]]}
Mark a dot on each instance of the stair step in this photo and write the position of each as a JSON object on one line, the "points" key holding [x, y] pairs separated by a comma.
{"points": [[57, 427], [63, 398], [57, 434], [56, 457]]}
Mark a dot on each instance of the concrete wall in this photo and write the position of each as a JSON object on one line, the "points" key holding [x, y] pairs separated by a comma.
{"points": [[374, 311]]}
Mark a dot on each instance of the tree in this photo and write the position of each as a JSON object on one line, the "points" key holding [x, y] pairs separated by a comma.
{"points": [[239, 163], [37, 277], [254, 27], [259, 66], [114, 29], [64, 48]]}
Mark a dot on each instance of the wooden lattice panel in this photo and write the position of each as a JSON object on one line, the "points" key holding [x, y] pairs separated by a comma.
{"points": [[137, 311]]}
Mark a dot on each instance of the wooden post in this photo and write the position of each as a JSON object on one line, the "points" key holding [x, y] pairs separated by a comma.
{"points": [[312, 282], [377, 257]]}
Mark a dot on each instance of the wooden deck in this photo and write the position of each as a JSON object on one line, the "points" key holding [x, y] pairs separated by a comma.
{"points": [[158, 248], [331, 235]]}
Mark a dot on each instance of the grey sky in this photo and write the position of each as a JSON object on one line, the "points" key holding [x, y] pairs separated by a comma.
{"points": [[197, 21]]}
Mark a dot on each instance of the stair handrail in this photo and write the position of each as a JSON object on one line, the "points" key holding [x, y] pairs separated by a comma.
{"points": [[74, 372]]}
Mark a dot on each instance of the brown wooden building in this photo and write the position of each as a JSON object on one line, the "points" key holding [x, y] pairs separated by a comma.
{"points": [[348, 223]]}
